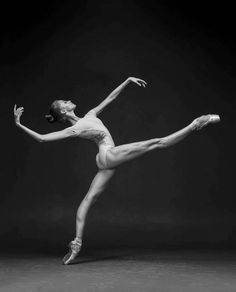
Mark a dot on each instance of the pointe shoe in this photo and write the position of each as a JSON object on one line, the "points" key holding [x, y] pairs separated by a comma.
{"points": [[74, 249], [203, 121]]}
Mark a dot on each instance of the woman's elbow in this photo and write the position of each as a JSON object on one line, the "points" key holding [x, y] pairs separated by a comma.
{"points": [[41, 139]]}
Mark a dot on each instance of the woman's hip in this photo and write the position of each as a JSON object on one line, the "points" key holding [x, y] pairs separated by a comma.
{"points": [[101, 158]]}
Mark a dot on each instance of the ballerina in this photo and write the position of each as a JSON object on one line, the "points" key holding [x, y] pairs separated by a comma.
{"points": [[109, 156]]}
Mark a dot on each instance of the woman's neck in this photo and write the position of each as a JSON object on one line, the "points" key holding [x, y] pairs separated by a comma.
{"points": [[73, 119]]}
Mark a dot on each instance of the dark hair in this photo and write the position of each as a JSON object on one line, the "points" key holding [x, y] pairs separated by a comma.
{"points": [[54, 113], [50, 118]]}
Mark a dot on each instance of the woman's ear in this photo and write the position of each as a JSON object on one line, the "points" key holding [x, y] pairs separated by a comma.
{"points": [[63, 111]]}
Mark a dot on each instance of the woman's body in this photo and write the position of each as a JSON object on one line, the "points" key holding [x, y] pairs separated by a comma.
{"points": [[109, 156]]}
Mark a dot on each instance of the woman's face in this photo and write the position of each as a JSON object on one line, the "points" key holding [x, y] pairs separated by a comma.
{"points": [[67, 105]]}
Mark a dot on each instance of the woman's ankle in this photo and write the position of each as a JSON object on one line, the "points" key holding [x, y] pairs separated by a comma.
{"points": [[78, 239]]}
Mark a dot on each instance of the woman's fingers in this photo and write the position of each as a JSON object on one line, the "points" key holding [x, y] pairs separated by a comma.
{"points": [[143, 84], [15, 109], [139, 81], [18, 111], [19, 108], [143, 81]]}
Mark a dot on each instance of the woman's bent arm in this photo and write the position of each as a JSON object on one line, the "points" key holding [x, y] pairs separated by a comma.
{"points": [[33, 134], [116, 92], [66, 133]]}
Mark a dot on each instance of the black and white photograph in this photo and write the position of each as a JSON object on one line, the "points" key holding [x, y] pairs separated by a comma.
{"points": [[118, 146]]}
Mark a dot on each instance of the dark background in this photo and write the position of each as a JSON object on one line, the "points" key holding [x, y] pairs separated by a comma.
{"points": [[81, 50]]}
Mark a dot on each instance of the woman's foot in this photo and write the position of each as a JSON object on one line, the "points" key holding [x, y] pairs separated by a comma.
{"points": [[74, 249], [203, 121]]}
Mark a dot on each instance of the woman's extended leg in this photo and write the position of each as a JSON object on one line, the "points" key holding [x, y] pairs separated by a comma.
{"points": [[123, 153], [97, 186]]}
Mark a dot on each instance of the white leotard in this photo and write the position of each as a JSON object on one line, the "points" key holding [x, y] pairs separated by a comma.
{"points": [[92, 128]]}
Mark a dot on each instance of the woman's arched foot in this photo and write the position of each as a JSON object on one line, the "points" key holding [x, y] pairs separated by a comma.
{"points": [[204, 120], [74, 249]]}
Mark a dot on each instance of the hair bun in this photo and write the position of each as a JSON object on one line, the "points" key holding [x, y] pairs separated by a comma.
{"points": [[50, 118]]}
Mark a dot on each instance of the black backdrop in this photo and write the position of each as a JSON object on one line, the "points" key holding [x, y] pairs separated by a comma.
{"points": [[180, 196]]}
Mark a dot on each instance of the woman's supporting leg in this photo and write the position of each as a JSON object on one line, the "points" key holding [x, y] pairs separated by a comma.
{"points": [[97, 186], [123, 153]]}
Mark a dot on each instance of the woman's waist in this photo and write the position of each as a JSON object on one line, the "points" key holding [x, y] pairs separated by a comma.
{"points": [[97, 136], [106, 140]]}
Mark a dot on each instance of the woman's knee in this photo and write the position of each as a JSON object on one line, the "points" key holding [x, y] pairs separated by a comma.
{"points": [[87, 202]]}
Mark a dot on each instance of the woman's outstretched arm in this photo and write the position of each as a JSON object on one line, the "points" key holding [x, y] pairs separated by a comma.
{"points": [[68, 132], [116, 92]]}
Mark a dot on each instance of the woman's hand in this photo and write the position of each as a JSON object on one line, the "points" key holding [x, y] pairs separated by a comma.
{"points": [[138, 81], [17, 114]]}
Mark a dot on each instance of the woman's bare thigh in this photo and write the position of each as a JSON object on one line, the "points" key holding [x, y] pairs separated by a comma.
{"points": [[114, 156]]}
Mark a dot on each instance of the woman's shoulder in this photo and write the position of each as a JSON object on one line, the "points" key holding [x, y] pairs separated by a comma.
{"points": [[92, 112]]}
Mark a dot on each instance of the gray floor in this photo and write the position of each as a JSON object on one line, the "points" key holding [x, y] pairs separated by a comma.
{"points": [[121, 270]]}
